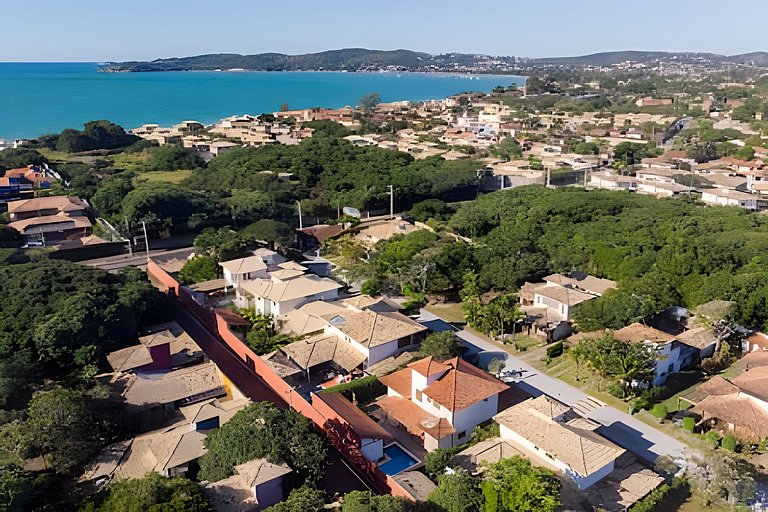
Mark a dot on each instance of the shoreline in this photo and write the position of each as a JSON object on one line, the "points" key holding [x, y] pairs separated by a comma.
{"points": [[223, 93]]}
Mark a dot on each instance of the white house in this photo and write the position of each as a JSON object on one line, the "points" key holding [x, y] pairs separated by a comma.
{"points": [[612, 182], [558, 294], [673, 353], [732, 198], [377, 335], [441, 402], [662, 189], [550, 434], [275, 297], [244, 269]]}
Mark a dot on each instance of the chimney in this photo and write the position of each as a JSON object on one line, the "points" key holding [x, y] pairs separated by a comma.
{"points": [[159, 347]]}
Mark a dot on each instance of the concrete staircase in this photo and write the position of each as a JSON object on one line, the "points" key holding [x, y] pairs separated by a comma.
{"points": [[586, 405]]}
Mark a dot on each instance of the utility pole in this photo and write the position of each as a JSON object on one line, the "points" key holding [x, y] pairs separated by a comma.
{"points": [[391, 202], [128, 234], [146, 238], [301, 224], [548, 178]]}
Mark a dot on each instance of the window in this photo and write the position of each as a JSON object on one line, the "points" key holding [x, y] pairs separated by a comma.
{"points": [[403, 342], [462, 435], [418, 395]]}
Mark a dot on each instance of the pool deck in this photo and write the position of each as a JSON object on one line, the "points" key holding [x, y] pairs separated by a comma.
{"points": [[405, 440]]}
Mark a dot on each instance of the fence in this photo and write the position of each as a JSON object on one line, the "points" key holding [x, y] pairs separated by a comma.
{"points": [[338, 431]]}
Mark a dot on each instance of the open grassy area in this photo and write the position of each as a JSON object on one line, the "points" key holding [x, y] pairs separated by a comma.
{"points": [[450, 311], [129, 161], [162, 176], [55, 157]]}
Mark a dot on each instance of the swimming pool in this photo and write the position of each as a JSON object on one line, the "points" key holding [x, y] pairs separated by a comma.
{"points": [[398, 460]]}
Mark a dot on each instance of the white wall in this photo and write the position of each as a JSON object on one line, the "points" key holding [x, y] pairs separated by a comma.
{"points": [[543, 458]]}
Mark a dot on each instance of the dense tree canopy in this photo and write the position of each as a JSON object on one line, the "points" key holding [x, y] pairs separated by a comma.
{"points": [[154, 493], [282, 436], [171, 158], [457, 492], [95, 135], [441, 345], [15, 158], [198, 269], [58, 317], [662, 252], [515, 484]]}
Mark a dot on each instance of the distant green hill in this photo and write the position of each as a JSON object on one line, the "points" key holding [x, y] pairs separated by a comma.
{"points": [[346, 59], [361, 59]]}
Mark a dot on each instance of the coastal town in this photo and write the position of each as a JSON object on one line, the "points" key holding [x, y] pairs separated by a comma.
{"points": [[551, 293]]}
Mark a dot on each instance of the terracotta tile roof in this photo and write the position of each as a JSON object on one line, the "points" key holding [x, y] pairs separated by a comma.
{"points": [[636, 333], [371, 329], [365, 427], [244, 265], [755, 358], [324, 348], [400, 381], [323, 232], [76, 222], [754, 382], [157, 339], [61, 203], [428, 366], [564, 295], [715, 386], [699, 337], [592, 284], [300, 287], [463, 386], [748, 417], [202, 381], [537, 420], [415, 419]]}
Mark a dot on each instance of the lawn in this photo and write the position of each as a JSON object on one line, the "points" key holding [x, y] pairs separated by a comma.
{"points": [[450, 311], [162, 176], [55, 157], [129, 161]]}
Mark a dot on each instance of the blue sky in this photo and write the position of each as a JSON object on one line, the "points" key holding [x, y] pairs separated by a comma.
{"points": [[99, 30]]}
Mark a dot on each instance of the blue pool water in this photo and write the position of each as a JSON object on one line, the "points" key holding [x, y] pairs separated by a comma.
{"points": [[399, 460], [37, 98]]}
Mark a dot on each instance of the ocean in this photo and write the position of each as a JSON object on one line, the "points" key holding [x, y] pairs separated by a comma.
{"points": [[39, 98]]}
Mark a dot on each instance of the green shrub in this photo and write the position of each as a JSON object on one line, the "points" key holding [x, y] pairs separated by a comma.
{"points": [[555, 350], [659, 411], [689, 423], [729, 443], [651, 502], [639, 404], [713, 438], [365, 389], [371, 287]]}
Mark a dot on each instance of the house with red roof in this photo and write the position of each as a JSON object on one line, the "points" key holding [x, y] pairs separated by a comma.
{"points": [[442, 402]]}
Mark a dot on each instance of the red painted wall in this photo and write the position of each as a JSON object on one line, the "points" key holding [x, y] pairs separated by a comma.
{"points": [[337, 430]]}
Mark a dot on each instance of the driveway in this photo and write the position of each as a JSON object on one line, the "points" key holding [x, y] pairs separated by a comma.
{"points": [[626, 431]]}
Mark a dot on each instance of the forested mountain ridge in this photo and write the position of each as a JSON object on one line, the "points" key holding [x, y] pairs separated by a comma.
{"points": [[362, 59]]}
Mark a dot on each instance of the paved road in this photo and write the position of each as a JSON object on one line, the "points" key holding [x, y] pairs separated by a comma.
{"points": [[621, 428]]}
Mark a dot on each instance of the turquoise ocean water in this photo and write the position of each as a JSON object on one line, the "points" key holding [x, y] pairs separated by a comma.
{"points": [[38, 98]]}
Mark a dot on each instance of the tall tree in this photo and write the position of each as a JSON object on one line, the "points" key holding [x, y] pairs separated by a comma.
{"points": [[515, 484]]}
